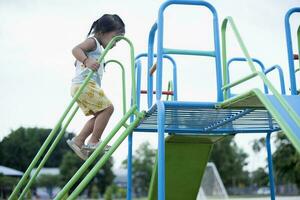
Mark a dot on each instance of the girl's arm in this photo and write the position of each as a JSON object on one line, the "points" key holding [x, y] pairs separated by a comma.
{"points": [[79, 53]]}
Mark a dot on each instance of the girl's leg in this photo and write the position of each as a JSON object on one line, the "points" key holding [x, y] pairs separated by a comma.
{"points": [[85, 132], [101, 121]]}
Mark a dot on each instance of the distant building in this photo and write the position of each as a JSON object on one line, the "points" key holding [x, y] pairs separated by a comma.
{"points": [[121, 178], [46, 171], [9, 178], [6, 171], [46, 192]]}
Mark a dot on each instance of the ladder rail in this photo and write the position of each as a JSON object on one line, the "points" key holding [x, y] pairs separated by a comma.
{"points": [[265, 80], [95, 154], [24, 180], [93, 172]]}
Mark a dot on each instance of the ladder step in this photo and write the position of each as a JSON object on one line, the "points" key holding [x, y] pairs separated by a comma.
{"points": [[154, 92]]}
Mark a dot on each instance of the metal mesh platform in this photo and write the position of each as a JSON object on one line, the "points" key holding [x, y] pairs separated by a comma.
{"points": [[199, 117]]}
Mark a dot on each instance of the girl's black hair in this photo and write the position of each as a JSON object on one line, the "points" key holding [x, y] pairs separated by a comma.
{"points": [[108, 23]]}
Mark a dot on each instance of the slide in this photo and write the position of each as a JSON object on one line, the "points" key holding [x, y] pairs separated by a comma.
{"points": [[186, 159], [287, 117]]}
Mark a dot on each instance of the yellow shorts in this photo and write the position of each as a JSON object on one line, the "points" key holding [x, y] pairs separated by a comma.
{"points": [[92, 99]]}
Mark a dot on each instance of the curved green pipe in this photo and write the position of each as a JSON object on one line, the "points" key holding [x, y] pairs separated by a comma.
{"points": [[285, 105], [25, 176], [298, 36], [99, 149], [123, 82]]}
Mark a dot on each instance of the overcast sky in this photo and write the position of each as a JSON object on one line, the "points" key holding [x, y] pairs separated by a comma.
{"points": [[36, 39]]}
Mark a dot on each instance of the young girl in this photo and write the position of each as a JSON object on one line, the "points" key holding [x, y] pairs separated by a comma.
{"points": [[92, 100]]}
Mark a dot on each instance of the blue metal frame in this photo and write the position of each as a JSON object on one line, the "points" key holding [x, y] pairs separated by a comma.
{"points": [[150, 62], [268, 142], [161, 49], [138, 66], [290, 49], [189, 111], [130, 136], [281, 77], [161, 108], [260, 64], [160, 53], [263, 69], [268, 136], [270, 166], [150, 78], [161, 150], [129, 168]]}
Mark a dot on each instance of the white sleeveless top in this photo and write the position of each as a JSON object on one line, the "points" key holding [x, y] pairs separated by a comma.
{"points": [[81, 72]]}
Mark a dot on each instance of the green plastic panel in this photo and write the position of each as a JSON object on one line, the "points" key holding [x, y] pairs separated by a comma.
{"points": [[186, 159]]}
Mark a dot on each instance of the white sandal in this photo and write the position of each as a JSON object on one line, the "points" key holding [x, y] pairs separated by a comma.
{"points": [[77, 149], [92, 147]]}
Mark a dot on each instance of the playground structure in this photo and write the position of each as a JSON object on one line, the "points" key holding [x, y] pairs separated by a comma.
{"points": [[192, 127], [211, 184]]}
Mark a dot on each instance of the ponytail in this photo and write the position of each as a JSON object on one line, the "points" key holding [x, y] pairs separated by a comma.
{"points": [[107, 23], [92, 27]]}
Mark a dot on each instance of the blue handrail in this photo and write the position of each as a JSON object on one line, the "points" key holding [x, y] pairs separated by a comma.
{"points": [[160, 53], [160, 48], [150, 78], [263, 69], [290, 49], [150, 61], [281, 77], [260, 64]]}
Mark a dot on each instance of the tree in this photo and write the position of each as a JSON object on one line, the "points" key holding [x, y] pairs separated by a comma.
{"points": [[259, 144], [48, 181], [142, 165], [105, 176], [114, 192], [18, 149], [286, 161], [7, 183], [71, 163], [228, 158], [259, 177], [69, 166]]}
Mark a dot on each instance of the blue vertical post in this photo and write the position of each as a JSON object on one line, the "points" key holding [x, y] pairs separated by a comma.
{"points": [[160, 31], [138, 66], [129, 154], [175, 92], [270, 166], [290, 49], [260, 64], [161, 149], [129, 167], [159, 69], [160, 47], [150, 79], [217, 53], [281, 78], [150, 63]]}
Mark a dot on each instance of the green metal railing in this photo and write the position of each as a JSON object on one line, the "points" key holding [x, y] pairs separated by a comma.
{"points": [[189, 52], [89, 161], [123, 82], [96, 153], [298, 37], [298, 69], [102, 161], [255, 73], [170, 88]]}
